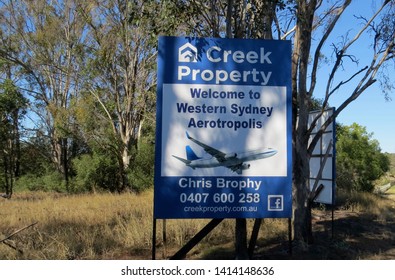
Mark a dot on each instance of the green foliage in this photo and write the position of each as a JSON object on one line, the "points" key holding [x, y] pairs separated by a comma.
{"points": [[35, 157], [157, 17], [12, 110], [10, 98], [3, 183], [50, 181], [96, 171], [141, 172], [359, 159]]}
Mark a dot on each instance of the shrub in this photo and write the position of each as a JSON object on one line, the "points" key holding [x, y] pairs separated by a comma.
{"points": [[359, 159], [141, 170], [50, 181], [94, 171]]}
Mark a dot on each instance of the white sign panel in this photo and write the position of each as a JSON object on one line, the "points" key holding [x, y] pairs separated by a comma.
{"points": [[325, 145]]}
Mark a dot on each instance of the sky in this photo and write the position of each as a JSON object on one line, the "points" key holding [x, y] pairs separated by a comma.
{"points": [[371, 109]]}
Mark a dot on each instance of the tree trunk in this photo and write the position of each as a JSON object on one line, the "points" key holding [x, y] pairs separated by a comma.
{"points": [[241, 250], [7, 176], [301, 102], [17, 145], [122, 176], [302, 207], [268, 7], [60, 156]]}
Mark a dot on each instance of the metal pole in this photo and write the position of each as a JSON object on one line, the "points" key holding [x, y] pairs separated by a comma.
{"points": [[290, 236], [154, 239], [164, 237]]}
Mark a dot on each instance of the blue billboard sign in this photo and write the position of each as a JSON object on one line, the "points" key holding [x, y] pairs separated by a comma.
{"points": [[223, 138]]}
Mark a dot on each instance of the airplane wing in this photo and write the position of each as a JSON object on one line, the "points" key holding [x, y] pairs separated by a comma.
{"points": [[220, 156]]}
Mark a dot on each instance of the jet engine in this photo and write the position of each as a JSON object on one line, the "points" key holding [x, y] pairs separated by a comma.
{"points": [[245, 166], [229, 156], [239, 169]]}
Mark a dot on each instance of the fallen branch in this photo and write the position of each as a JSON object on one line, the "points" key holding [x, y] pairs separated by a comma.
{"points": [[12, 246], [16, 232]]}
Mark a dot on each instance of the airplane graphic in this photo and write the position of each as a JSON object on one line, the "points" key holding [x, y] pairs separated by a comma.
{"points": [[233, 161]]}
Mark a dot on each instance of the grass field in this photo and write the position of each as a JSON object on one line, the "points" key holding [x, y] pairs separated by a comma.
{"points": [[100, 226], [75, 227], [112, 226]]}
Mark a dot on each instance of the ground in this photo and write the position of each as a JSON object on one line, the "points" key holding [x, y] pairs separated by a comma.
{"points": [[75, 227], [352, 235]]}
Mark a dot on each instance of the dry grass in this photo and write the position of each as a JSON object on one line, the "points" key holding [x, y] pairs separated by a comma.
{"points": [[101, 226], [112, 226], [364, 228], [377, 206], [75, 227]]}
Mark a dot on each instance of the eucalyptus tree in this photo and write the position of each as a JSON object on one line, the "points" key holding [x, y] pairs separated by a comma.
{"points": [[315, 25], [120, 80], [312, 26], [44, 41], [233, 19], [12, 110]]}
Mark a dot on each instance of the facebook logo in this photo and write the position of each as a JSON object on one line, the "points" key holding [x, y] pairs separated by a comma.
{"points": [[275, 203]]}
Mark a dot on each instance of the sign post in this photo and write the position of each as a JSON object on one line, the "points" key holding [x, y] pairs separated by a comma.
{"points": [[223, 138]]}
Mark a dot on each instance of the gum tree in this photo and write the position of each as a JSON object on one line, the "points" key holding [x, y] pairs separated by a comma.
{"points": [[315, 22], [120, 73], [42, 40], [12, 110], [312, 26]]}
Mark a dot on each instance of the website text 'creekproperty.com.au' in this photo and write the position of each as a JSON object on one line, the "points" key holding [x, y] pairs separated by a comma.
{"points": [[220, 209]]}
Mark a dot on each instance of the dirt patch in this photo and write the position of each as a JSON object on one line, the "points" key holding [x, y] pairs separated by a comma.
{"points": [[354, 233], [349, 236]]}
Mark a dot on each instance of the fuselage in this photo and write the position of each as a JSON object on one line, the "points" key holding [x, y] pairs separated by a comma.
{"points": [[234, 160]]}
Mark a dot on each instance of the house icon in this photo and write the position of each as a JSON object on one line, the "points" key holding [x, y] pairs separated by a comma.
{"points": [[187, 53]]}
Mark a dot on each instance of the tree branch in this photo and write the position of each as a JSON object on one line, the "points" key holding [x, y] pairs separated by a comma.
{"points": [[322, 42], [18, 231]]}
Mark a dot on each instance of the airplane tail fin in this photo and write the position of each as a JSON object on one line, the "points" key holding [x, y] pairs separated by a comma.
{"points": [[191, 154]]}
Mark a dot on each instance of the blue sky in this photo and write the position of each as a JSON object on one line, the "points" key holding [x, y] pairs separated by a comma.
{"points": [[371, 109]]}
